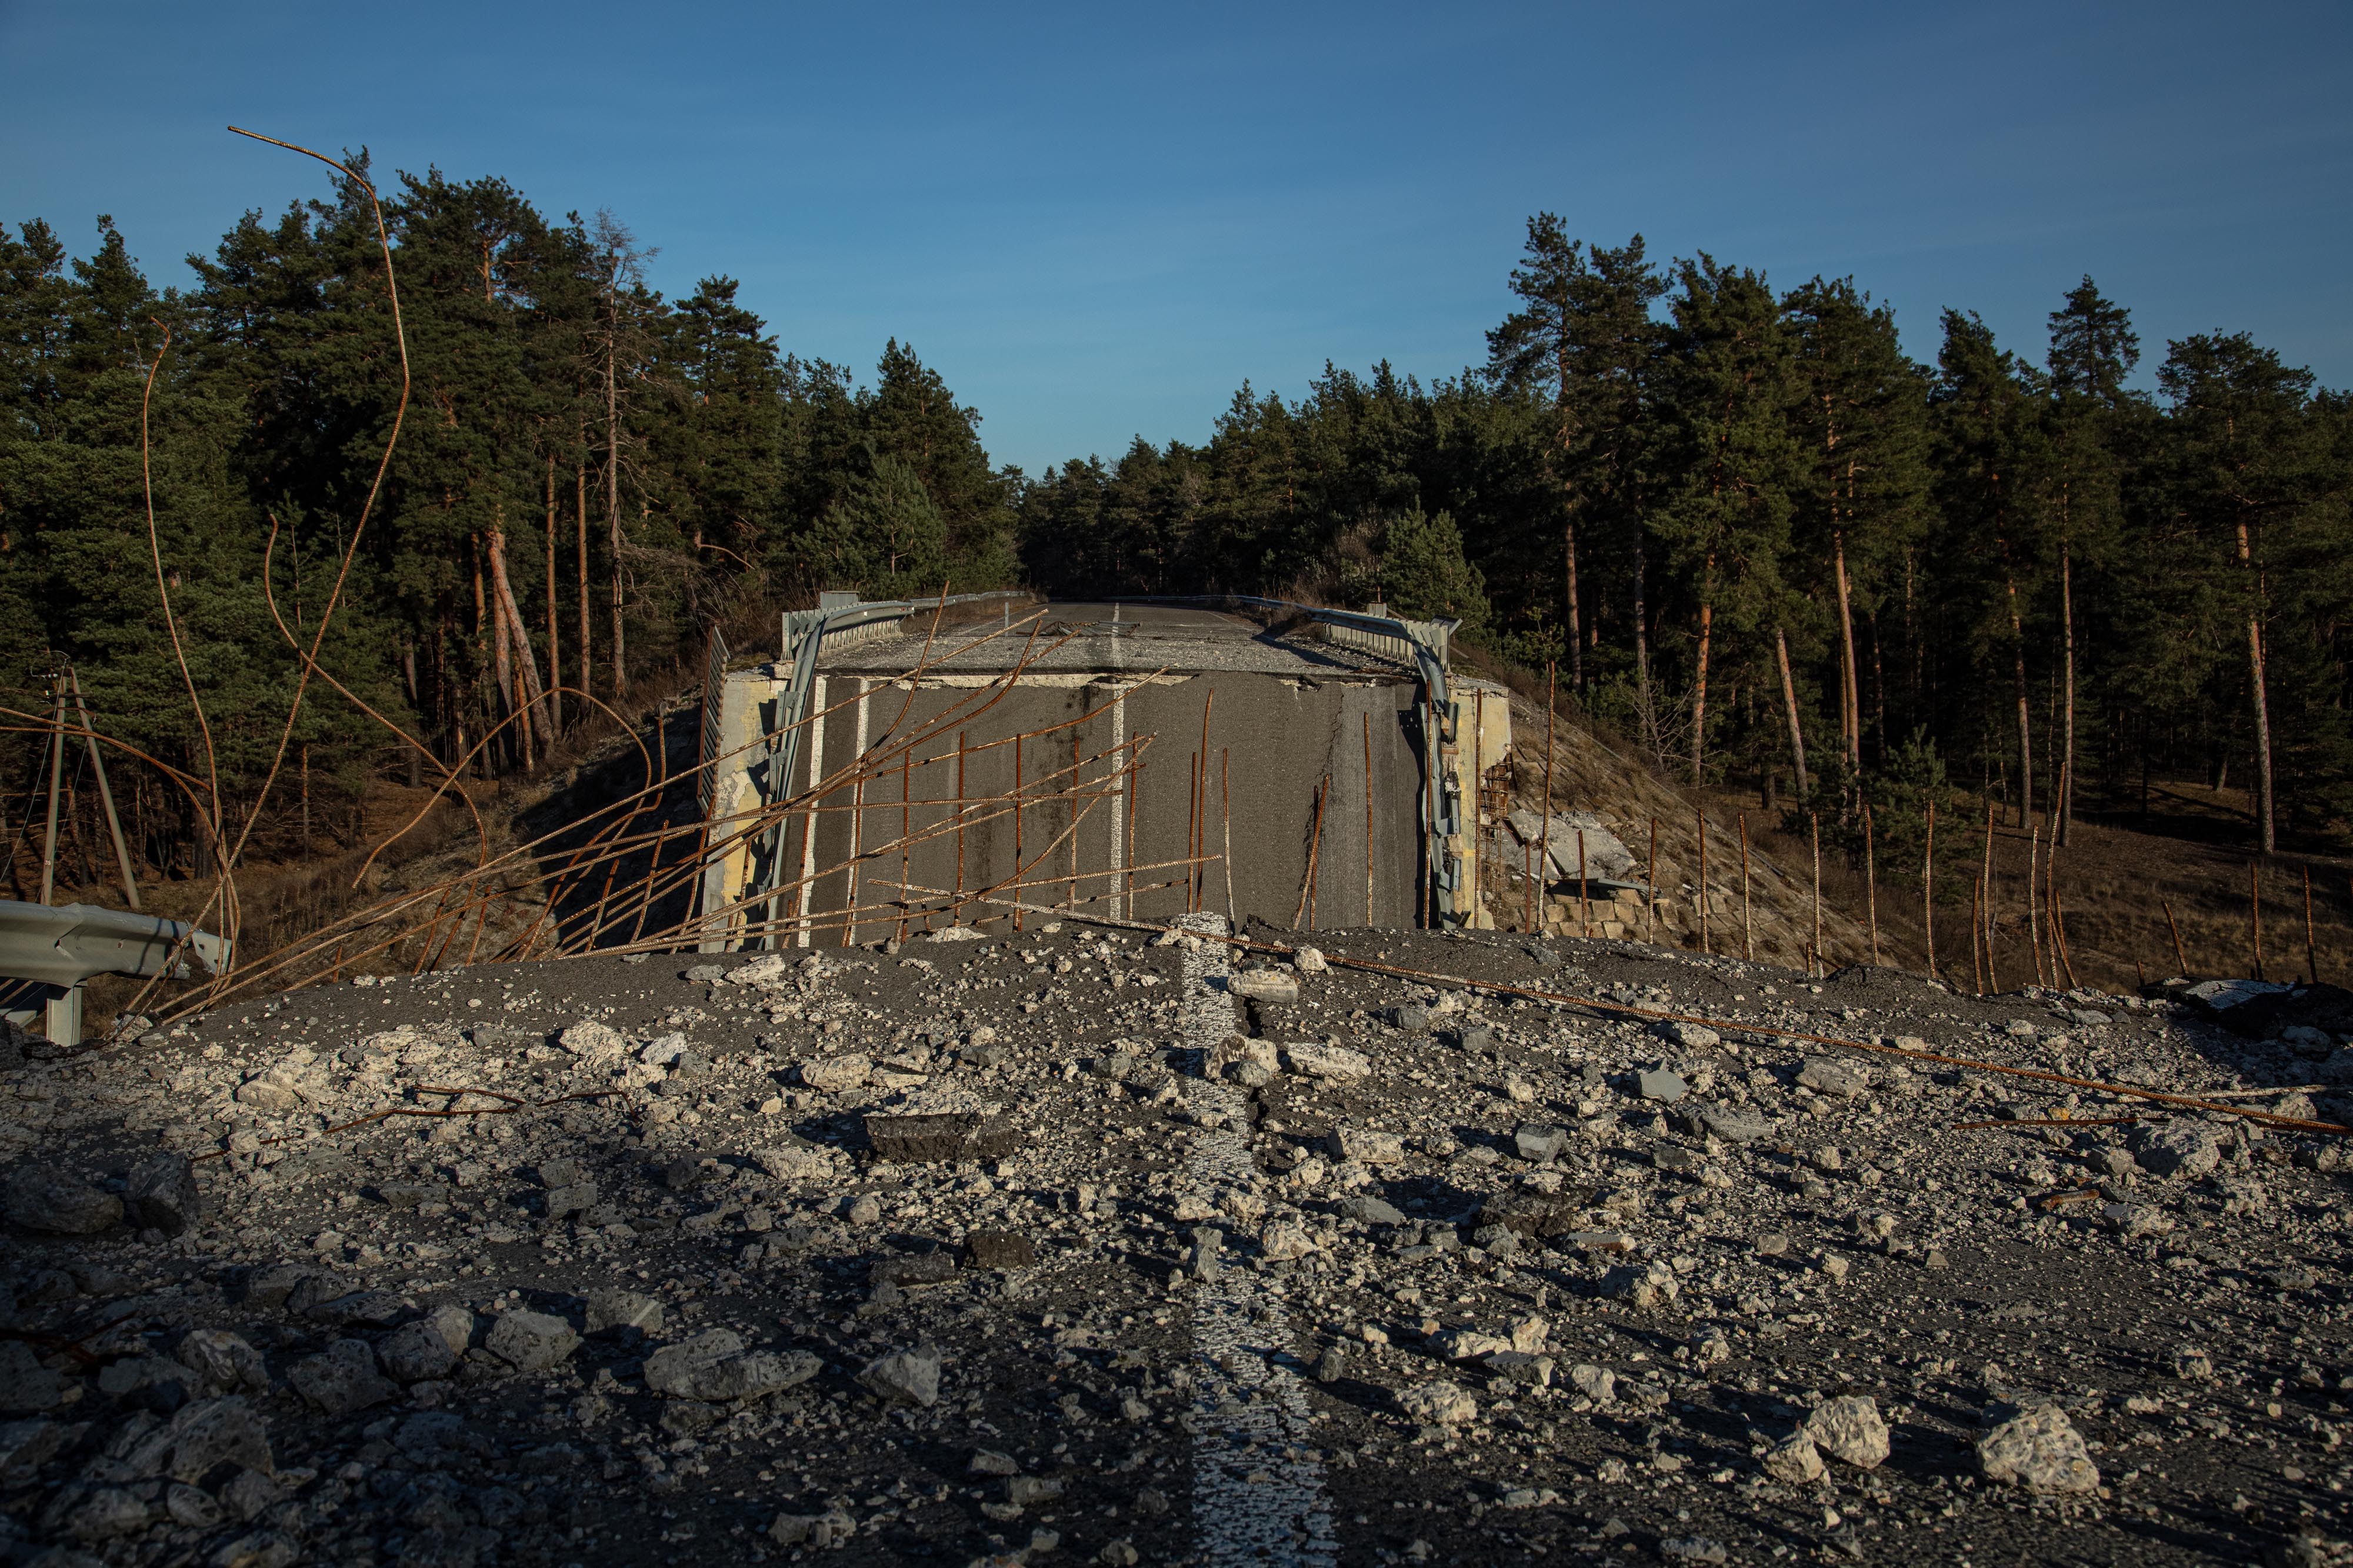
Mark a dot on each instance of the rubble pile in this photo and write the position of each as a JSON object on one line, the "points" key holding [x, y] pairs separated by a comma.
{"points": [[1538, 816], [1004, 1246]]}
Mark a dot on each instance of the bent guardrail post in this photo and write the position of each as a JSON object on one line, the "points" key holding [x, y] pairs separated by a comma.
{"points": [[46, 952], [1446, 828], [805, 632]]}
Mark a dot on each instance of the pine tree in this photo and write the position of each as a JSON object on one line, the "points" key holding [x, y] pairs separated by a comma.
{"points": [[1987, 451], [2248, 467], [1861, 425], [1725, 433], [2093, 350], [885, 538], [1585, 340]]}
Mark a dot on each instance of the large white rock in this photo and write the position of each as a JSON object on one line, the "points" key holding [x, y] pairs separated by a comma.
{"points": [[1282, 1241], [904, 1377], [715, 1365], [1850, 1430], [1265, 985], [531, 1341], [1794, 1460], [1333, 1063], [592, 1041], [1469, 1344], [1364, 1146], [768, 969], [2182, 1151], [1605, 855], [2041, 1451], [793, 1162], [1438, 1404], [831, 1075]]}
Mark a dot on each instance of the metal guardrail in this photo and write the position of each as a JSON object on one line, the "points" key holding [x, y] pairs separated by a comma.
{"points": [[52, 950], [64, 944], [714, 683], [1426, 643], [804, 633]]}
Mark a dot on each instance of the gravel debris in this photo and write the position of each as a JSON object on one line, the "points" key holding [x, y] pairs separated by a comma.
{"points": [[1055, 1242]]}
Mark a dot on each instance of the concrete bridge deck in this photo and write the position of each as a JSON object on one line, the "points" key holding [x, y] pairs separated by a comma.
{"points": [[1137, 760]]}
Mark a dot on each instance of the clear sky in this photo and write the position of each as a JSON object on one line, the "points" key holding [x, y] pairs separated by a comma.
{"points": [[1096, 221]]}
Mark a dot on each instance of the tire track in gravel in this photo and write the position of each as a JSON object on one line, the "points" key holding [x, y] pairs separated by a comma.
{"points": [[1258, 1484]]}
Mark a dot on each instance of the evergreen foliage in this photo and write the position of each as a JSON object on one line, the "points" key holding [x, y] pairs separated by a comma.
{"points": [[1661, 479], [566, 424], [1670, 479]]}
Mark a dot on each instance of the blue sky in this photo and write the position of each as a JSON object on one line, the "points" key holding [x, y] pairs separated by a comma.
{"points": [[1097, 221]]}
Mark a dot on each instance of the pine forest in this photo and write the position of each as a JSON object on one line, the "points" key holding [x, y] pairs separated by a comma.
{"points": [[1754, 537]]}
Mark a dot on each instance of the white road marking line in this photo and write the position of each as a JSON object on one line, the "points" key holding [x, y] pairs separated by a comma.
{"points": [[1258, 1486]]}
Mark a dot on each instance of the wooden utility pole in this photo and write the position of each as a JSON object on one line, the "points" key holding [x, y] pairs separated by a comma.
{"points": [[2033, 926], [957, 919], [2025, 716], [1985, 884], [1814, 954], [1699, 688], [1306, 909], [2311, 952], [1197, 875], [1226, 827], [1701, 817], [2262, 702], [1651, 897], [2254, 914], [1584, 892]]}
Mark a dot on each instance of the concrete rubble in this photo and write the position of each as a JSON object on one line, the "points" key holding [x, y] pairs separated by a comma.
{"points": [[894, 1255]]}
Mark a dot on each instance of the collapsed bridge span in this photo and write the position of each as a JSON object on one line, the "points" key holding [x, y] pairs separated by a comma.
{"points": [[1135, 759]]}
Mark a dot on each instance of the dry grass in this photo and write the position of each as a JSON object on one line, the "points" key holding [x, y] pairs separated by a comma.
{"points": [[2115, 879]]}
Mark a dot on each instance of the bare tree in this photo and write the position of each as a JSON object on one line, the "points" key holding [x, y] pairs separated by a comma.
{"points": [[620, 348]]}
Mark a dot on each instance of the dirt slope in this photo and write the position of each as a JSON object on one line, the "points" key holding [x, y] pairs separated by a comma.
{"points": [[1589, 776]]}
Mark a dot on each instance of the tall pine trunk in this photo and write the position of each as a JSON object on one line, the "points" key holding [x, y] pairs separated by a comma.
{"points": [[2263, 700], [554, 652], [1569, 515], [1699, 688], [1790, 700], [2025, 718], [613, 486], [534, 696], [1851, 701], [2067, 740], [1576, 632], [501, 669], [580, 550], [1642, 634]]}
